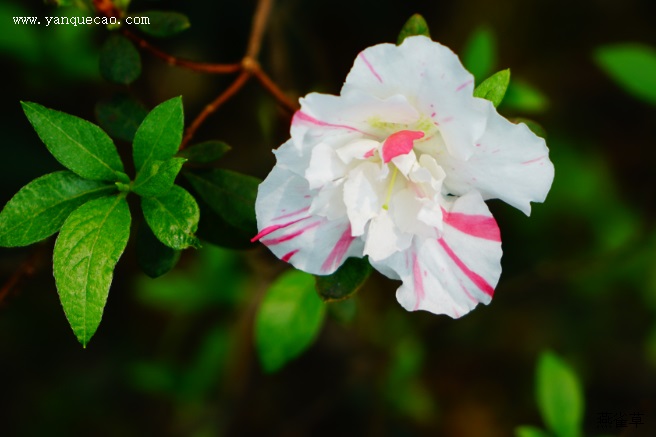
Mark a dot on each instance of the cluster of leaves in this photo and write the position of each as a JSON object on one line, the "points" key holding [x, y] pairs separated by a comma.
{"points": [[87, 203]]}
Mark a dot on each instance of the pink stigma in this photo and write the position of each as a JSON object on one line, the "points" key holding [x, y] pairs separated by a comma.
{"points": [[400, 143]]}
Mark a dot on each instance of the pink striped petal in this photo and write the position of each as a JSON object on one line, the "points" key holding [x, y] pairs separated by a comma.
{"points": [[452, 273], [309, 242]]}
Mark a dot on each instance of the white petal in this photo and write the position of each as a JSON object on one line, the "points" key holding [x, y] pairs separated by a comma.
{"points": [[358, 115], [451, 274], [363, 195], [405, 163], [358, 149], [431, 76], [329, 202], [325, 166], [511, 163], [310, 243], [292, 158], [385, 238], [407, 209]]}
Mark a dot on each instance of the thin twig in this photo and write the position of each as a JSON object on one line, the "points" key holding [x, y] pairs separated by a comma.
{"points": [[220, 100], [275, 91], [205, 67], [257, 31]]}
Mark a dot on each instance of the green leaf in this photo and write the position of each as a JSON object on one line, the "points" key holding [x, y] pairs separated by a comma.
{"points": [[76, 143], [163, 23], [479, 55], [524, 97], [172, 217], [154, 258], [159, 135], [204, 153], [559, 396], [288, 320], [230, 194], [120, 116], [87, 249], [530, 431], [416, 25], [120, 61], [40, 208], [632, 66], [494, 87], [345, 281], [157, 177]]}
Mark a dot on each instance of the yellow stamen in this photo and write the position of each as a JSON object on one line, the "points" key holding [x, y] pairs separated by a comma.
{"points": [[389, 189]]}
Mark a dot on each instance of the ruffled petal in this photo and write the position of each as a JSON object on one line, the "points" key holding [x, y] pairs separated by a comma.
{"points": [[511, 163], [431, 76], [364, 191], [309, 242], [325, 166], [450, 274], [357, 115], [385, 238]]}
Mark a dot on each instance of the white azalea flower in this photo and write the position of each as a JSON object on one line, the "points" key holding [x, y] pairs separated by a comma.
{"points": [[398, 167]]}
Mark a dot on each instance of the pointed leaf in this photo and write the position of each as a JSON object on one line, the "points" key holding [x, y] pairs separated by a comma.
{"points": [[120, 116], [172, 217], [230, 194], [479, 55], [559, 396], [416, 25], [87, 249], [77, 144], [159, 135], [345, 281], [494, 87], [288, 320], [204, 153], [120, 61], [163, 23], [154, 258], [40, 208], [632, 66], [157, 177]]}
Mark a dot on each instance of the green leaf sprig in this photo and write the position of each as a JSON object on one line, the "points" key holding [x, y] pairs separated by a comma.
{"points": [[87, 203]]}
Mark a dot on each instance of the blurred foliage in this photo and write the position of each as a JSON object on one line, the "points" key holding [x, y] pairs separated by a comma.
{"points": [[176, 355]]}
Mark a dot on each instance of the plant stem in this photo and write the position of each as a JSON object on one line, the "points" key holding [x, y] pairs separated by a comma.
{"points": [[220, 100]]}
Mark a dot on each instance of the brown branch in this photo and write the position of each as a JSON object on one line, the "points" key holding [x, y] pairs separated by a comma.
{"points": [[220, 100], [27, 268], [205, 67], [275, 91], [257, 31]]}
